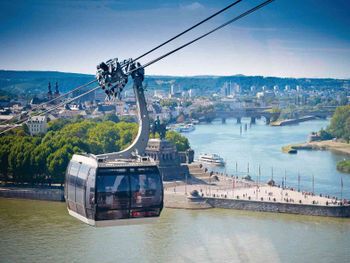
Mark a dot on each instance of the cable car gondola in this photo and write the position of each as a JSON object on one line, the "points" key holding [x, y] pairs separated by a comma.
{"points": [[121, 187], [104, 193]]}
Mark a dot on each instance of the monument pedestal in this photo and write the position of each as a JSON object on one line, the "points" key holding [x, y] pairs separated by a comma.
{"points": [[167, 158]]}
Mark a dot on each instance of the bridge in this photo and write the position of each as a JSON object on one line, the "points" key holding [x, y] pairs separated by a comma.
{"points": [[252, 113], [267, 113]]}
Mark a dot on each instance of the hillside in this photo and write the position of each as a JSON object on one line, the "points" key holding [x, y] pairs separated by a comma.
{"points": [[29, 83]]}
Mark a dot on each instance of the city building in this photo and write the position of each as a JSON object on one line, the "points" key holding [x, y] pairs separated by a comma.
{"points": [[37, 125]]}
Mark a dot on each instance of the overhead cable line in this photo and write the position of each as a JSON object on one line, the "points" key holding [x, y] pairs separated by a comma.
{"points": [[51, 109], [141, 56], [189, 29], [157, 59], [54, 99], [206, 34]]}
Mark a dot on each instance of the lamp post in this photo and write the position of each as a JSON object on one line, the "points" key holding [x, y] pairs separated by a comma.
{"points": [[285, 178]]}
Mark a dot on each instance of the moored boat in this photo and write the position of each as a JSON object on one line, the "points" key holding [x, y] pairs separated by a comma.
{"points": [[213, 159]]}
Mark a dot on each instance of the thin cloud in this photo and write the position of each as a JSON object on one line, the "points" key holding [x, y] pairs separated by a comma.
{"points": [[193, 6]]}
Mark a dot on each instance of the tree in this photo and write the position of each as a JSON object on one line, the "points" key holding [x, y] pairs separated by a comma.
{"points": [[20, 160], [340, 123], [128, 119], [25, 129], [111, 117], [57, 163], [5, 149], [170, 103], [127, 133], [275, 113], [181, 142], [103, 138], [37, 159], [325, 135], [343, 100], [56, 125]]}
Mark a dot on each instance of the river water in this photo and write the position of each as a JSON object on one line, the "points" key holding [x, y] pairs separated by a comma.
{"points": [[38, 231], [261, 145]]}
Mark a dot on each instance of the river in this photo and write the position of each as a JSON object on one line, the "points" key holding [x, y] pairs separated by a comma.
{"points": [[261, 145], [39, 231]]}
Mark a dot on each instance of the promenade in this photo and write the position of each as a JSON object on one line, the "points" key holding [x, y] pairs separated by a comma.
{"points": [[240, 189]]}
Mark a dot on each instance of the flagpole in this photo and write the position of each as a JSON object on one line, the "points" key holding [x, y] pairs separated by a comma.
{"points": [[282, 189], [257, 185], [285, 178], [341, 188], [272, 173]]}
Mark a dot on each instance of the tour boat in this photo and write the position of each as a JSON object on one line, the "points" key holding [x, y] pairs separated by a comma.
{"points": [[187, 128], [211, 159], [182, 127]]}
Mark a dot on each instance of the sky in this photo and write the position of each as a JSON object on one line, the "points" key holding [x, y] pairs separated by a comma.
{"points": [[288, 38]]}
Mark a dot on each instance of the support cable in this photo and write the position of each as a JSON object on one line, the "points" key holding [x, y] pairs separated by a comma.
{"points": [[206, 34], [155, 60], [141, 56], [51, 109], [54, 99], [189, 29]]}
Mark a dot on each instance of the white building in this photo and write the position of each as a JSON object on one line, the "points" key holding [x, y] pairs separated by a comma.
{"points": [[37, 125], [191, 93]]}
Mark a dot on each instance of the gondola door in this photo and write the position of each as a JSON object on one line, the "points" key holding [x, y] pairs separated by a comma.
{"points": [[90, 202]]}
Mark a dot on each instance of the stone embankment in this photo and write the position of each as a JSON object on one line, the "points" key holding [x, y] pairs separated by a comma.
{"points": [[292, 121], [48, 194], [335, 146], [233, 193], [260, 206]]}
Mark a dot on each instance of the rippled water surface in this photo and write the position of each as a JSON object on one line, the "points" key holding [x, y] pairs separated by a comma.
{"points": [[37, 231]]}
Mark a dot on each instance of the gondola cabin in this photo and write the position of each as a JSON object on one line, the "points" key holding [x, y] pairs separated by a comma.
{"points": [[107, 193]]}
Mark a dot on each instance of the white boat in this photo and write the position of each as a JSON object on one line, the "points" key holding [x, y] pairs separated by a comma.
{"points": [[211, 159], [187, 128], [182, 127]]}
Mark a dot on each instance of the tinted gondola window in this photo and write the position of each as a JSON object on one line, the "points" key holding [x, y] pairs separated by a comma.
{"points": [[113, 196], [146, 190]]}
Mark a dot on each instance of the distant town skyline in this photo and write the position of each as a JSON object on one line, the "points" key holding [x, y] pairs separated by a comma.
{"points": [[285, 39]]}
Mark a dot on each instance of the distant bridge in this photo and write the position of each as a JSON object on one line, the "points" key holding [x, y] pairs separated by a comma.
{"points": [[252, 113], [264, 112]]}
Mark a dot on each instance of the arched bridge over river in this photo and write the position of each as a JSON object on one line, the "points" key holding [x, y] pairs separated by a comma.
{"points": [[264, 112]]}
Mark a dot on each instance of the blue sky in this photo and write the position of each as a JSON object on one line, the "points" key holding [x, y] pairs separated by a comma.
{"points": [[299, 38]]}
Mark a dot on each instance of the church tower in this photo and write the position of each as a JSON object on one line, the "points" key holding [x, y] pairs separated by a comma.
{"points": [[57, 92], [49, 92]]}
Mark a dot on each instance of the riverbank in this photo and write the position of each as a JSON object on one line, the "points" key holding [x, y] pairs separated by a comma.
{"points": [[338, 147], [240, 194], [244, 195], [344, 166], [292, 121], [47, 194]]}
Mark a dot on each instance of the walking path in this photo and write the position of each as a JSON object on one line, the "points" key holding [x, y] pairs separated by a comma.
{"points": [[230, 188]]}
